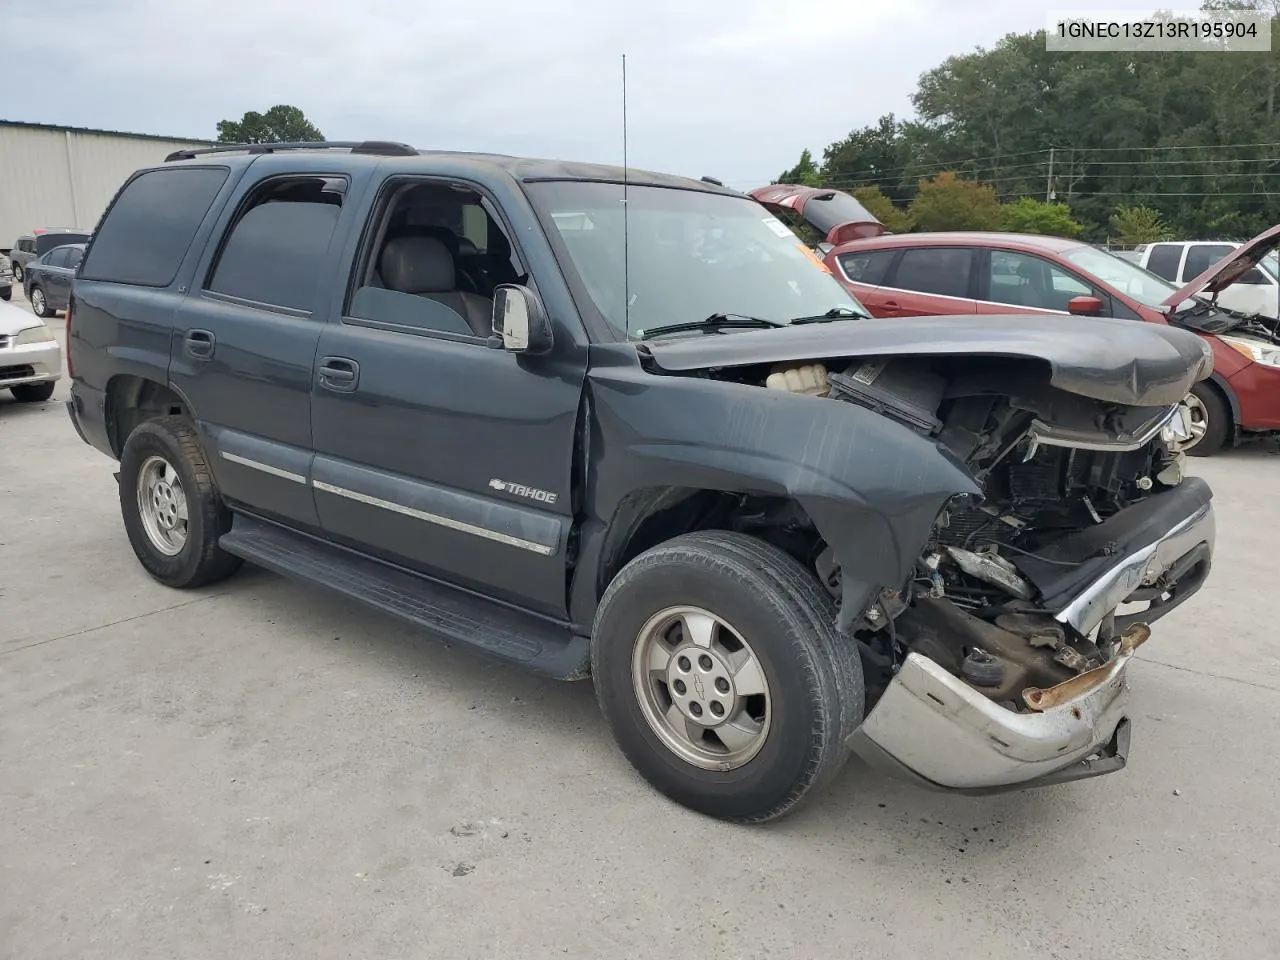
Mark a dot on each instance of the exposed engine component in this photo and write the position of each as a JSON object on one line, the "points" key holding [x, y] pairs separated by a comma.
{"points": [[992, 568], [810, 379], [907, 392]]}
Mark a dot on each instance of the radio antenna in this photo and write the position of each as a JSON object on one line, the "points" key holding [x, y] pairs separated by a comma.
{"points": [[626, 251]]}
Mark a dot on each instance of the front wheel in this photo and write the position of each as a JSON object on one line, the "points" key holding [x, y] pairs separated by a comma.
{"points": [[6, 293], [172, 511], [719, 669], [39, 304], [1210, 421]]}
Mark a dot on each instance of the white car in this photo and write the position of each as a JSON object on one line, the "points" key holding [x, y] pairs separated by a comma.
{"points": [[30, 357], [1258, 291]]}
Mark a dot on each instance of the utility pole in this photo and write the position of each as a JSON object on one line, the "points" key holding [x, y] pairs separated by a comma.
{"points": [[1048, 184]]}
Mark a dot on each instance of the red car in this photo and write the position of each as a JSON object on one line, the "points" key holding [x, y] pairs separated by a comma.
{"points": [[965, 273]]}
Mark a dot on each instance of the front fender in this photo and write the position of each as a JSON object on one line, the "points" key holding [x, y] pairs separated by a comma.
{"points": [[872, 487]]}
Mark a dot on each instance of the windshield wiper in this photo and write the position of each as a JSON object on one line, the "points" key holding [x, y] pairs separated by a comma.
{"points": [[717, 321], [835, 313]]}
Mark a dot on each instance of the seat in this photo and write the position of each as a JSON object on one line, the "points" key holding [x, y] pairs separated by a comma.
{"points": [[424, 267]]}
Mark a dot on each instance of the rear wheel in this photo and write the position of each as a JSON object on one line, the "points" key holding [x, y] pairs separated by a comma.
{"points": [[39, 304], [720, 672], [32, 392], [1210, 421], [172, 511], [17, 273]]}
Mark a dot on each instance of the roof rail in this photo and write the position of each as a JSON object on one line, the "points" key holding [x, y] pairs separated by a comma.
{"points": [[377, 148]]}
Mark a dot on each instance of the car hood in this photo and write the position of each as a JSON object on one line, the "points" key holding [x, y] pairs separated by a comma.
{"points": [[1228, 270], [1117, 361], [833, 213], [13, 319]]}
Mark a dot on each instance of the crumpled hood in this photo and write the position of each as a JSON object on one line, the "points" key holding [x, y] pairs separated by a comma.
{"points": [[1117, 361], [1229, 269]]}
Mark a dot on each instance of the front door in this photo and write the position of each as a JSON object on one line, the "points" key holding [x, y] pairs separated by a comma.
{"points": [[434, 449]]}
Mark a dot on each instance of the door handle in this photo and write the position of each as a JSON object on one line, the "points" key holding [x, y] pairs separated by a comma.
{"points": [[339, 373], [199, 344]]}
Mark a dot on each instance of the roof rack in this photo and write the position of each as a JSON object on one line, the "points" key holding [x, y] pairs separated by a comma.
{"points": [[377, 148]]}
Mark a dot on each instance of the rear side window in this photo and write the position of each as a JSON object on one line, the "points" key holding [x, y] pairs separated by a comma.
{"points": [[275, 252], [1164, 260], [151, 224], [867, 267], [1201, 256], [939, 270]]}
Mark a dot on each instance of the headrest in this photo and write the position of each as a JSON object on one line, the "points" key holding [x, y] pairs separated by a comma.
{"points": [[417, 265]]}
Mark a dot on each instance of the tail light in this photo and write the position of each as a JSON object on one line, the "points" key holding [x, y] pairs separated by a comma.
{"points": [[71, 302]]}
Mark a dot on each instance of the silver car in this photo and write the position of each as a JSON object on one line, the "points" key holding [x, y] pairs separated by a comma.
{"points": [[30, 357]]}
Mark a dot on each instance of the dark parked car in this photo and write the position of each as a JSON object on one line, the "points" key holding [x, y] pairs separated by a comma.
{"points": [[6, 277], [654, 444], [47, 282], [39, 242]]}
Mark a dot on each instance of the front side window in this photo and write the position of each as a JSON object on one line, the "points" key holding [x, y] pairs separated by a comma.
{"points": [[682, 256], [943, 271], [57, 257], [275, 251], [1023, 280], [1201, 256], [1118, 273]]}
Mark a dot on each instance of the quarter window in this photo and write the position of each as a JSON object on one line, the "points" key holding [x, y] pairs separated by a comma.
{"points": [[939, 270], [151, 224], [868, 266], [275, 251]]}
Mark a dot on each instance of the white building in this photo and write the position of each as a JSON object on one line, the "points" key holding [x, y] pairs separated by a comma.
{"points": [[65, 176]]}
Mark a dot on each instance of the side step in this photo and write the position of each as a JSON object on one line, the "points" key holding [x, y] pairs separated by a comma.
{"points": [[538, 645]]}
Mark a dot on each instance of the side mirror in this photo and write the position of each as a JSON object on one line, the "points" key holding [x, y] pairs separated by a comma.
{"points": [[518, 318], [1084, 306]]}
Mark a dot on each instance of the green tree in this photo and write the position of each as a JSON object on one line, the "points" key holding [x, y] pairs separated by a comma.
{"points": [[895, 219], [805, 173], [948, 203], [1028, 215], [281, 124], [1131, 226]]}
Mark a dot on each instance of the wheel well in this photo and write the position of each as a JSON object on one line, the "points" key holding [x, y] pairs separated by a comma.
{"points": [[1227, 395], [134, 400], [652, 516]]}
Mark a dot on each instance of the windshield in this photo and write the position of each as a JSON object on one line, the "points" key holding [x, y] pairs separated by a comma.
{"points": [[1120, 274], [691, 255], [1271, 264]]}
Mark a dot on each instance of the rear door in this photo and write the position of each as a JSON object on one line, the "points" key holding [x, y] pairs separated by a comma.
{"points": [[930, 281], [244, 339]]}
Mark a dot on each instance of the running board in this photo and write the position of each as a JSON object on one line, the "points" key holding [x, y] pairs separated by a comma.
{"points": [[539, 645]]}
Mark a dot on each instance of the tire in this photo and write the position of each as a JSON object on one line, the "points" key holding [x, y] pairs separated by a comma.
{"points": [[6, 293], [39, 303], [193, 559], [777, 611], [32, 392], [1210, 408], [17, 273]]}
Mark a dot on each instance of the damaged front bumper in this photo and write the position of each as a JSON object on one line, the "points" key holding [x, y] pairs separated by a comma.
{"points": [[934, 728]]}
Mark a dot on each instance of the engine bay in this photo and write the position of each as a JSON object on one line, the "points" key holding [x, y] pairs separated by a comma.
{"points": [[1054, 467]]}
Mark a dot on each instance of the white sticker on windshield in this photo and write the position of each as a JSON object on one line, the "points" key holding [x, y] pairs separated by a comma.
{"points": [[777, 226]]}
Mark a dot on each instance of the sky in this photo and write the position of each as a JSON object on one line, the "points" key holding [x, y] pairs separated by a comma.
{"points": [[733, 89]]}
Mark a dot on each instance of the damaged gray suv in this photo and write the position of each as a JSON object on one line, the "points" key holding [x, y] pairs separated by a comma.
{"points": [[632, 430]]}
